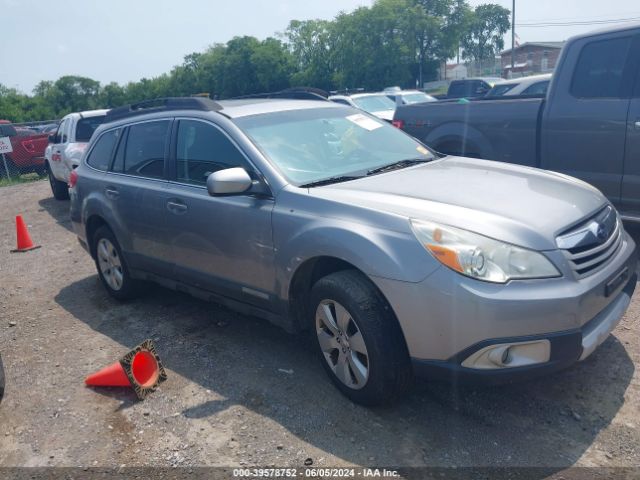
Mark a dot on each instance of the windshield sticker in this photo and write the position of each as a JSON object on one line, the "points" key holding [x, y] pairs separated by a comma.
{"points": [[364, 122]]}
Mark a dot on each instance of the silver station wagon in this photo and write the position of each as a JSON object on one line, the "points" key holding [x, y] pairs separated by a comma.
{"points": [[321, 218]]}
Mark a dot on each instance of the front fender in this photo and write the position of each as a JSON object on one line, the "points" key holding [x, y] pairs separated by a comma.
{"points": [[376, 252]]}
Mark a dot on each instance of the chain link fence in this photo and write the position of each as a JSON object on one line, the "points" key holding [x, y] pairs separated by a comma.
{"points": [[23, 146]]}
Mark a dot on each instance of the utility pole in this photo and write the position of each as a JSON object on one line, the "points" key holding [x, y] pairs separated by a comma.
{"points": [[513, 36]]}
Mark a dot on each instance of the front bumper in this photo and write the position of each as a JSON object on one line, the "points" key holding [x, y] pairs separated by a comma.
{"points": [[567, 348], [447, 317]]}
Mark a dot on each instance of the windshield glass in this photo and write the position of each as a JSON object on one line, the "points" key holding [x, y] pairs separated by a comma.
{"points": [[374, 103], [315, 144], [417, 97], [86, 127]]}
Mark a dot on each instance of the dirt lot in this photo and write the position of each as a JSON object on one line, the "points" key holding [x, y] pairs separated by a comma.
{"points": [[243, 393]]}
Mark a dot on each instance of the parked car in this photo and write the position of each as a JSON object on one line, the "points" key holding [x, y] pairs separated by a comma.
{"points": [[66, 147], [472, 87], [587, 126], [407, 97], [321, 218], [28, 152], [533, 85], [377, 104]]}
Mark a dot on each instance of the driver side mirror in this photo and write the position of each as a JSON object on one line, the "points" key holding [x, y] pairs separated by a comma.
{"points": [[52, 138], [230, 181]]}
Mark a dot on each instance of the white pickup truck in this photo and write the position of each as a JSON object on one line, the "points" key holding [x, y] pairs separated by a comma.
{"points": [[66, 147]]}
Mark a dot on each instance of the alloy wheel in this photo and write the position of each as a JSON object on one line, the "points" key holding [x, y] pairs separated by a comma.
{"points": [[110, 264], [342, 344]]}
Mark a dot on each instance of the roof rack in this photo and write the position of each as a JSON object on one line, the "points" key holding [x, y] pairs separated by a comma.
{"points": [[294, 93], [163, 104]]}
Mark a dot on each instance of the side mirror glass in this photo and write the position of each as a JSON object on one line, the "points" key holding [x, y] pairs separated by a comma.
{"points": [[52, 138], [229, 181]]}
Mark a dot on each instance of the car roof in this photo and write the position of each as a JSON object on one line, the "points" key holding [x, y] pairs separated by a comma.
{"points": [[229, 108], [89, 113], [246, 107], [529, 79]]}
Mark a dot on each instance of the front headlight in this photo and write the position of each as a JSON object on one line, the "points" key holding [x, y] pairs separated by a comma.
{"points": [[481, 257]]}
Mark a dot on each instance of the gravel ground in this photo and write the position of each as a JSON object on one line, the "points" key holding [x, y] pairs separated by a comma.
{"points": [[241, 392]]}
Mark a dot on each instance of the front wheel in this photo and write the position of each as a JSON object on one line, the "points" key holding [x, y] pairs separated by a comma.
{"points": [[60, 189], [359, 340]]}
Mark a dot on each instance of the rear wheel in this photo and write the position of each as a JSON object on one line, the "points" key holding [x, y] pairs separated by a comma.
{"points": [[359, 340], [112, 269], [60, 189]]}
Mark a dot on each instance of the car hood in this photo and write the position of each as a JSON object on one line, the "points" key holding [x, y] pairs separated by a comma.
{"points": [[520, 205]]}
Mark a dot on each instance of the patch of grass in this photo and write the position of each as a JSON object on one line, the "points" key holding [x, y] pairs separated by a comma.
{"points": [[26, 178]]}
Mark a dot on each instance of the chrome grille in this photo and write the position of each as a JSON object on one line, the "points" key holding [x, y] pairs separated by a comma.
{"points": [[589, 246]]}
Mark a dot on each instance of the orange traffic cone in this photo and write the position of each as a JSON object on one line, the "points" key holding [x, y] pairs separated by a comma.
{"points": [[140, 369], [24, 239]]}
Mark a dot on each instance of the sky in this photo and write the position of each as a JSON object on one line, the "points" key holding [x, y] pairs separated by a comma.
{"points": [[125, 40]]}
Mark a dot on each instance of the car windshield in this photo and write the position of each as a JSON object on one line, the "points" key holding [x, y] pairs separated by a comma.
{"points": [[86, 126], [374, 103], [417, 97], [311, 145]]}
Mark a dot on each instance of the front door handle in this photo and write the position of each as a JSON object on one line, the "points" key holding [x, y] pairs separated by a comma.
{"points": [[111, 193], [638, 124], [176, 207]]}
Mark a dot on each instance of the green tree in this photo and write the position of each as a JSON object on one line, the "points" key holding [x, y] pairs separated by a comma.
{"points": [[484, 38], [310, 44]]}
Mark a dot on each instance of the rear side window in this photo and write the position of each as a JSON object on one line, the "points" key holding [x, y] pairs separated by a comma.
{"points": [[144, 150], [457, 89], [100, 155], [600, 68], [203, 149], [539, 88]]}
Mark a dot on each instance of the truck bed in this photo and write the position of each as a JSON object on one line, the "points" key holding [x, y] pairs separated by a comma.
{"points": [[504, 129]]}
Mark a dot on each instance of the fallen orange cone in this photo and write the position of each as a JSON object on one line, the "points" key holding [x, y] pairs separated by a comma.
{"points": [[140, 369], [24, 242]]}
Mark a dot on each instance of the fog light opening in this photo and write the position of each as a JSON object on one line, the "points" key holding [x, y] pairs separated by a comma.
{"points": [[510, 355], [506, 356]]}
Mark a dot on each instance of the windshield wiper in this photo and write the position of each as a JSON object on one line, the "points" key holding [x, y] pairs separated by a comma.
{"points": [[398, 165], [329, 181]]}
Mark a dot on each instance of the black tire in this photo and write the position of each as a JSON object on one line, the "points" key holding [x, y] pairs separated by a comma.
{"points": [[388, 363], [129, 288], [60, 189]]}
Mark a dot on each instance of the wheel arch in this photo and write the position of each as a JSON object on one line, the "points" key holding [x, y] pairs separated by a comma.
{"points": [[469, 139], [93, 223]]}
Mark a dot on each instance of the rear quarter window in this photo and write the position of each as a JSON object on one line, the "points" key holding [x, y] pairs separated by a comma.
{"points": [[100, 155]]}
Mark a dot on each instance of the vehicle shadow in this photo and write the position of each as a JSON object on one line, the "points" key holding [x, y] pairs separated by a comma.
{"points": [[58, 209], [548, 422]]}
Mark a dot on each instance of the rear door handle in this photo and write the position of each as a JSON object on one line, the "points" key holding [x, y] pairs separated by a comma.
{"points": [[111, 193], [177, 207]]}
